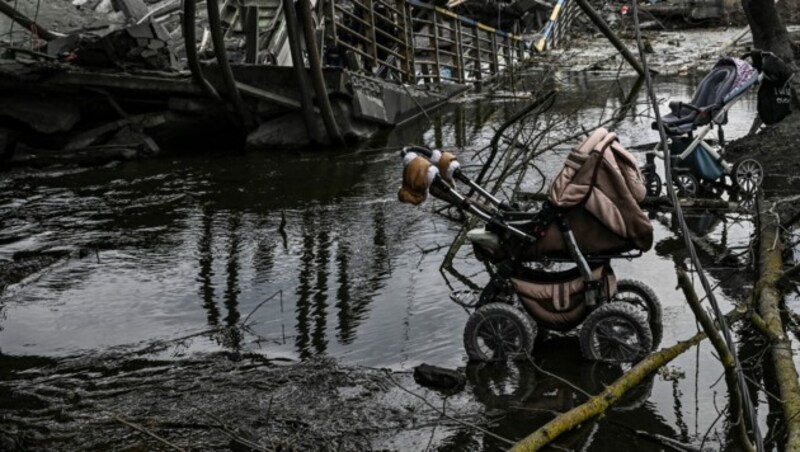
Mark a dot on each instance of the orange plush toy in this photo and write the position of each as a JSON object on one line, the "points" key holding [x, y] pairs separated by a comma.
{"points": [[447, 164], [417, 177]]}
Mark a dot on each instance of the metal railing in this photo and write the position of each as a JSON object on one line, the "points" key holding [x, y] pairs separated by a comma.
{"points": [[415, 42]]}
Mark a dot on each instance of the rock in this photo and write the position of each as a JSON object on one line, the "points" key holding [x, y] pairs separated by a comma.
{"points": [[439, 377], [134, 138], [63, 46], [648, 47], [285, 132], [104, 7], [44, 115], [8, 140]]}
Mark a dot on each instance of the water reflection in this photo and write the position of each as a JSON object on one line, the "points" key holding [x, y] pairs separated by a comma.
{"points": [[529, 394], [231, 295], [302, 308], [206, 253], [230, 337]]}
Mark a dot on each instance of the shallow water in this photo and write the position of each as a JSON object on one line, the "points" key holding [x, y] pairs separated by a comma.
{"points": [[168, 247]]}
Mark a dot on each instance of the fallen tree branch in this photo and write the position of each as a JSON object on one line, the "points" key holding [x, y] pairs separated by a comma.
{"points": [[770, 268], [763, 328], [599, 403], [725, 357], [141, 429], [27, 23]]}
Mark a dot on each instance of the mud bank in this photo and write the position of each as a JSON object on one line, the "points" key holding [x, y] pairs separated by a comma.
{"points": [[776, 147], [216, 402]]}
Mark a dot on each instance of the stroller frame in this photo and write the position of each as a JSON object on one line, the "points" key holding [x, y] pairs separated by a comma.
{"points": [[746, 173], [499, 295]]}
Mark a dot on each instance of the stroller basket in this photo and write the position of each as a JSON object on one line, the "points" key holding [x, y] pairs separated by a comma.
{"points": [[555, 299]]}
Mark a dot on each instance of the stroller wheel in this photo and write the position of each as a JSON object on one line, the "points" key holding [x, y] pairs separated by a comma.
{"points": [[498, 332], [641, 296], [686, 184], [616, 332], [748, 174], [653, 183]]}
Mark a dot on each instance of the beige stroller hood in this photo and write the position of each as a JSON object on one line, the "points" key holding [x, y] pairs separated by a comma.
{"points": [[603, 178]]}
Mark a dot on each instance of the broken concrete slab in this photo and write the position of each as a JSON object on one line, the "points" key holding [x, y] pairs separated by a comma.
{"points": [[39, 158], [96, 135], [133, 137], [145, 45], [284, 132], [62, 47], [44, 115], [134, 10]]}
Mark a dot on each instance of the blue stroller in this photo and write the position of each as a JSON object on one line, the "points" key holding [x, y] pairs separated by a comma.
{"points": [[697, 161]]}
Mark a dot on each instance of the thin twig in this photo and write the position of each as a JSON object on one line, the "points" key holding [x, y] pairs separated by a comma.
{"points": [[465, 423], [280, 292], [147, 432]]}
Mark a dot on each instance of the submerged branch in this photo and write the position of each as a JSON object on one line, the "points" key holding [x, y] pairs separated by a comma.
{"points": [[725, 357], [147, 432]]}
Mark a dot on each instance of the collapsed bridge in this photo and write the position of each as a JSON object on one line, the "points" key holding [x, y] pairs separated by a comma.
{"points": [[279, 73]]}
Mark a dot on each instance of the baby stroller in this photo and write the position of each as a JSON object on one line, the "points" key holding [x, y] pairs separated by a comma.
{"points": [[592, 216], [695, 161]]}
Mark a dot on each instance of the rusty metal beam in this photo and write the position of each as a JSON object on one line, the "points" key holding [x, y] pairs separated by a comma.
{"points": [[215, 27], [27, 23], [290, 16], [315, 66]]}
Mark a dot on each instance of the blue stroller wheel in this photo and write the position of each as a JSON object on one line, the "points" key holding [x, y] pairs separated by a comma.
{"points": [[748, 174]]}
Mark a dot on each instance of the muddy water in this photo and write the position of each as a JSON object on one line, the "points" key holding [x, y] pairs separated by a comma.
{"points": [[165, 248]]}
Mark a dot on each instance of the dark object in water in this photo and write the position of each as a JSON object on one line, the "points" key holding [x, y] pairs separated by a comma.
{"points": [[439, 377]]}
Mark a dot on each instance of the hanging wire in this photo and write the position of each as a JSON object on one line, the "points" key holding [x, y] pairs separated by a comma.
{"points": [[11, 26], [35, 26], [747, 402]]}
